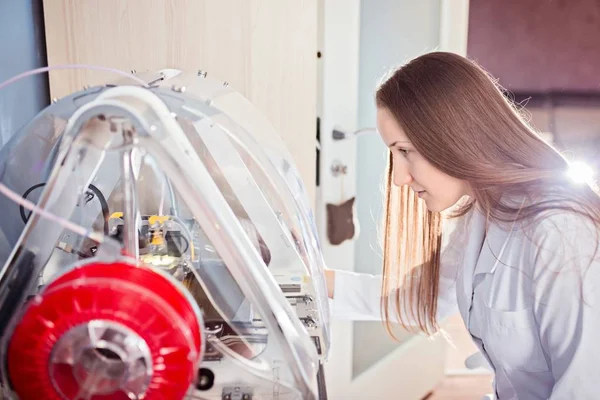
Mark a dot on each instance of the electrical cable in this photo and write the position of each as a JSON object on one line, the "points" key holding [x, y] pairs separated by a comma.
{"points": [[78, 229], [94, 189]]}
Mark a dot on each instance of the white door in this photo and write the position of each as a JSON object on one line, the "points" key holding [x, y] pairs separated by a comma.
{"points": [[358, 42]]}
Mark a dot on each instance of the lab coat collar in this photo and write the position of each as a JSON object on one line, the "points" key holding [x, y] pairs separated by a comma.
{"points": [[475, 239], [484, 251]]}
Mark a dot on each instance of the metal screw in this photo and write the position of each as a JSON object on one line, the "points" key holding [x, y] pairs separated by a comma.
{"points": [[246, 397], [309, 322], [202, 73], [133, 71], [225, 84]]}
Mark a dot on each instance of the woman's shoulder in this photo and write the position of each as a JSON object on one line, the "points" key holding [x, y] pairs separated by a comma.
{"points": [[564, 255], [553, 215], [560, 223], [564, 240]]}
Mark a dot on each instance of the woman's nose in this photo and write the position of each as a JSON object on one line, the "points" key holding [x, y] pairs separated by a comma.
{"points": [[402, 176]]}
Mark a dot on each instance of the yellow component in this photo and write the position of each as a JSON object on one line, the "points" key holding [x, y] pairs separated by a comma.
{"points": [[157, 238], [157, 218], [116, 215], [156, 260]]}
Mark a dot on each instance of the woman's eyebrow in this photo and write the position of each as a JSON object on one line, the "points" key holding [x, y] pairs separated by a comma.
{"points": [[399, 142]]}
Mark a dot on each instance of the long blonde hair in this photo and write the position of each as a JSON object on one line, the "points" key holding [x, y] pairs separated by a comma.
{"points": [[459, 119]]}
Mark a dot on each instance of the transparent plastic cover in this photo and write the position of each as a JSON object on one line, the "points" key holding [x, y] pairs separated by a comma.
{"points": [[186, 177]]}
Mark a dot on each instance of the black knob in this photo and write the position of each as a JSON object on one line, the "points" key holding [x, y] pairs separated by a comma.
{"points": [[206, 379]]}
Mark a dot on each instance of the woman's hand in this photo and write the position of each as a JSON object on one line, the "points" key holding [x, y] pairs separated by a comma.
{"points": [[330, 281]]}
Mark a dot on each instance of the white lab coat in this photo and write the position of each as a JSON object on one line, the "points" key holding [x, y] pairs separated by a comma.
{"points": [[529, 297]]}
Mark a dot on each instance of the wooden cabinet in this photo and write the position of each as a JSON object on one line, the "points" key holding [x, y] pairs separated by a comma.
{"points": [[266, 49]]}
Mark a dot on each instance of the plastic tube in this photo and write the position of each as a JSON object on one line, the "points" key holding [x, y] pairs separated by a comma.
{"points": [[36, 71]]}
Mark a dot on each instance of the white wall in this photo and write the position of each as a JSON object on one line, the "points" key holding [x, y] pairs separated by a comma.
{"points": [[391, 32]]}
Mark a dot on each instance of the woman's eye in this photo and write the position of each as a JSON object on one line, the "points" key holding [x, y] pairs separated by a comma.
{"points": [[403, 151]]}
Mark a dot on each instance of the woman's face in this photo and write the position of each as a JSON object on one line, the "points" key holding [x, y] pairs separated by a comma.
{"points": [[439, 190]]}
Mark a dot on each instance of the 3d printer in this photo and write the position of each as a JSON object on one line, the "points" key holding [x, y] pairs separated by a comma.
{"points": [[161, 247]]}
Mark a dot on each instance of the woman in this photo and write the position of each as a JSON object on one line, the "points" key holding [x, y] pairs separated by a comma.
{"points": [[518, 257]]}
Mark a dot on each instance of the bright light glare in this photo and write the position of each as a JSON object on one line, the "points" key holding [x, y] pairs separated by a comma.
{"points": [[580, 172]]}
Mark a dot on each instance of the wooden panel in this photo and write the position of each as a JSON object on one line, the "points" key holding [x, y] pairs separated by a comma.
{"points": [[266, 49]]}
